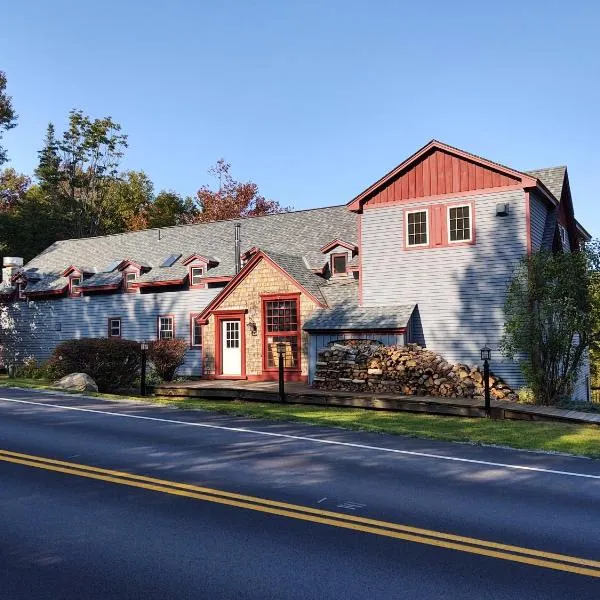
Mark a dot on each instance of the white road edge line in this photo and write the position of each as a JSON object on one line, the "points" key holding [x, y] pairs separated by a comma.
{"points": [[310, 439]]}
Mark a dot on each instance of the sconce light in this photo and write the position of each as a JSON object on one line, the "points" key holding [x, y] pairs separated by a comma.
{"points": [[252, 326], [502, 209]]}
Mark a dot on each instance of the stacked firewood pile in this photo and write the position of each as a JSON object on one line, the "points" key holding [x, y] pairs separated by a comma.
{"points": [[363, 365]]}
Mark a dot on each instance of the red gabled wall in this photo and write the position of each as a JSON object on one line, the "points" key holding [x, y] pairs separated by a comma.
{"points": [[439, 172]]}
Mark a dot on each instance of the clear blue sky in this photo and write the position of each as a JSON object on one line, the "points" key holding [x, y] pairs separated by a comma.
{"points": [[313, 100]]}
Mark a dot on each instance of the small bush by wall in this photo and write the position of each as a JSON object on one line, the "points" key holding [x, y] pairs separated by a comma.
{"points": [[112, 363], [167, 356], [361, 365]]}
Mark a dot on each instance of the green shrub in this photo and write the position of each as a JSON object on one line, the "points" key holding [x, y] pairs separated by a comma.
{"points": [[29, 369], [111, 362], [526, 395], [167, 356]]}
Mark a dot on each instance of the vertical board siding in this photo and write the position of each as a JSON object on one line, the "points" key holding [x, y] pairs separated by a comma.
{"points": [[459, 291], [538, 214], [87, 316], [440, 172], [318, 341]]}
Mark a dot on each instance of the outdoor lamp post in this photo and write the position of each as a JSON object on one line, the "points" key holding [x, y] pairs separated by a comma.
{"points": [[486, 354], [281, 348], [144, 349]]}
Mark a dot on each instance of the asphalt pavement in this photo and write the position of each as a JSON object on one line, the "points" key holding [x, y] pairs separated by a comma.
{"points": [[65, 534]]}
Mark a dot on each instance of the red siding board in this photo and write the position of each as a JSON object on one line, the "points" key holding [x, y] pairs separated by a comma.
{"points": [[405, 195], [440, 173], [411, 184], [448, 173], [419, 180], [455, 174], [433, 174], [426, 176]]}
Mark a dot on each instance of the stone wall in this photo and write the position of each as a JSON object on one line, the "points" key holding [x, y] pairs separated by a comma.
{"points": [[263, 279], [409, 370]]}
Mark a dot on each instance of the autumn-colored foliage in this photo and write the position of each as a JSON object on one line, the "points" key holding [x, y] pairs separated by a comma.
{"points": [[232, 199]]}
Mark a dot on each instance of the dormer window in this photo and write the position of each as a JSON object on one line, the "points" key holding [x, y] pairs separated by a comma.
{"points": [[21, 290], [74, 286], [339, 263], [130, 279], [196, 274]]}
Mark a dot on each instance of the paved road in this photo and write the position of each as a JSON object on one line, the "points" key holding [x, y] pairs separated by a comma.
{"points": [[68, 532]]}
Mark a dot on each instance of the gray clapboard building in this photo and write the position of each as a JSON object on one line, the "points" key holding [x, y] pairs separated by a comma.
{"points": [[423, 254]]}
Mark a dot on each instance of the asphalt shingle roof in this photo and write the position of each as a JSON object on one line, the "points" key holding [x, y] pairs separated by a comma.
{"points": [[101, 279], [344, 313], [296, 268], [294, 233], [552, 177], [51, 283]]}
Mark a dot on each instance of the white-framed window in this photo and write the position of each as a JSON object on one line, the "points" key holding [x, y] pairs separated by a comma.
{"points": [[129, 279], [74, 283], [460, 224], [417, 228], [166, 327], [114, 327], [195, 332], [196, 275]]}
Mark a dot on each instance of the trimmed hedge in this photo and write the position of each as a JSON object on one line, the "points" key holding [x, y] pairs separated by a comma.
{"points": [[112, 363], [167, 356]]}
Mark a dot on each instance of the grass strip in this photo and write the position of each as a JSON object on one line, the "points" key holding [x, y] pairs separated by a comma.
{"points": [[578, 439]]}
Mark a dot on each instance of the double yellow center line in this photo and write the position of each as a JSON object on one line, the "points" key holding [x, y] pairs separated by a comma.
{"points": [[539, 558]]}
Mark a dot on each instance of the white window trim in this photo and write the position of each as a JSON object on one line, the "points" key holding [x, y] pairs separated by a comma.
{"points": [[412, 212], [470, 238], [172, 328], [192, 268], [110, 327]]}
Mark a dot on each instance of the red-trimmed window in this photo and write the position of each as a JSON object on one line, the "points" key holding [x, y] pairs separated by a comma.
{"points": [[166, 327], [282, 324], [339, 262], [417, 228], [459, 224], [74, 286], [114, 327], [196, 276], [195, 332]]}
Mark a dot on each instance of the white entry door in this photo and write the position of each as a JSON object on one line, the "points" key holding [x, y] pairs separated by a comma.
{"points": [[232, 348]]}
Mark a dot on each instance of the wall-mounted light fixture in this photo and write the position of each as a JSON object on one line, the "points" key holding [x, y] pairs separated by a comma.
{"points": [[252, 326], [502, 209]]}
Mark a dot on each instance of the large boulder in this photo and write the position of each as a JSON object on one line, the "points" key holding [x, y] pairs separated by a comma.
{"points": [[77, 382]]}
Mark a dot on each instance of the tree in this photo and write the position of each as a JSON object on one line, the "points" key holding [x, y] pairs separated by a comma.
{"points": [[128, 202], [8, 117], [169, 208], [13, 187], [551, 319], [77, 170], [232, 199], [48, 171]]}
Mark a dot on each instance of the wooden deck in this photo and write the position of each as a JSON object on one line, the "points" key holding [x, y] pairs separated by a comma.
{"points": [[300, 393]]}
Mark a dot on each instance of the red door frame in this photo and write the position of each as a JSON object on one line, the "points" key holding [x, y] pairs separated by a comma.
{"points": [[229, 315]]}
